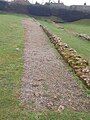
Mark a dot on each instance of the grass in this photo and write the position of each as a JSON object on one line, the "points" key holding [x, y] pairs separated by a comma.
{"points": [[11, 63], [11, 68], [81, 46], [80, 26]]}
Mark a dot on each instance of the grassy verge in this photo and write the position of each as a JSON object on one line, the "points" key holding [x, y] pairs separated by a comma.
{"points": [[81, 46], [11, 64], [11, 67]]}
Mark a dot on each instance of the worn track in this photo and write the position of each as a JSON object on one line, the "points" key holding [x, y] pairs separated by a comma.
{"points": [[47, 83]]}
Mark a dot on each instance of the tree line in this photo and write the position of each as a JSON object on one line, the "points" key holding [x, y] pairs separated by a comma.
{"points": [[66, 15]]}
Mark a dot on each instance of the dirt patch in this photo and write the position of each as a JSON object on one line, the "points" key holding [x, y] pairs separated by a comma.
{"points": [[47, 82]]}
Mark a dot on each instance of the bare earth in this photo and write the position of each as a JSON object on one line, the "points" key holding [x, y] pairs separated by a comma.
{"points": [[47, 83]]}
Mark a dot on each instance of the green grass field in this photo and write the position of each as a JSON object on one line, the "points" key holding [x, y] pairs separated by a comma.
{"points": [[80, 26], [81, 46], [11, 68], [11, 64]]}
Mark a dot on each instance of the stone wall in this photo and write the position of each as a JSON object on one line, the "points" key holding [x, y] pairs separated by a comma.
{"points": [[79, 65]]}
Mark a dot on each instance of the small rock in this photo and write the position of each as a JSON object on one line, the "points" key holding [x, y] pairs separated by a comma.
{"points": [[86, 70], [69, 100], [84, 61], [41, 79], [36, 94], [73, 108], [60, 108], [35, 85], [17, 49], [66, 46], [83, 76], [49, 105], [55, 97]]}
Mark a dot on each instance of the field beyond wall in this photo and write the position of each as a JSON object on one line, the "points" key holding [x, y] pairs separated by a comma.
{"points": [[65, 32]]}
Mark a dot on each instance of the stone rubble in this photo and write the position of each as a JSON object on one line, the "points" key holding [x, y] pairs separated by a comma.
{"points": [[83, 36], [80, 65]]}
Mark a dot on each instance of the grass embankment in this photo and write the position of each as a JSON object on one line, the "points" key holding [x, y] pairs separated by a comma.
{"points": [[11, 67], [81, 46]]}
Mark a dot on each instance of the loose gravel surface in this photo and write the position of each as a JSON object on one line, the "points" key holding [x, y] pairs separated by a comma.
{"points": [[47, 83]]}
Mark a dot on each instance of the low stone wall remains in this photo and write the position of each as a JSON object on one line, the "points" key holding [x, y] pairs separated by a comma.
{"points": [[83, 36], [80, 65]]}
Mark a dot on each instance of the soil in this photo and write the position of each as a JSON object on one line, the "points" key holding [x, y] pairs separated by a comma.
{"points": [[47, 82]]}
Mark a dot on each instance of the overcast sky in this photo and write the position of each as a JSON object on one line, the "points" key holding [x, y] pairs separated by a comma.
{"points": [[66, 2]]}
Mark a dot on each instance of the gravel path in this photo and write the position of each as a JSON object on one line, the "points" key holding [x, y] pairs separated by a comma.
{"points": [[47, 83]]}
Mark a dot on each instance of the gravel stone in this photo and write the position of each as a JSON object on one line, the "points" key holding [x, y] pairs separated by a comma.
{"points": [[46, 79]]}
